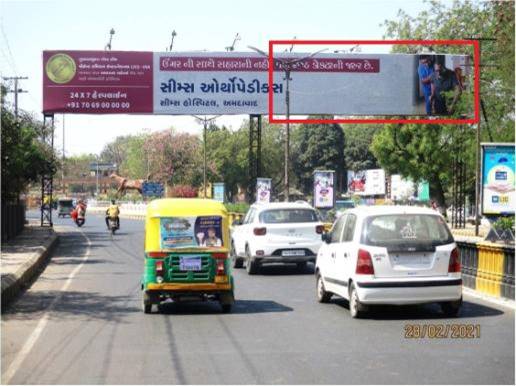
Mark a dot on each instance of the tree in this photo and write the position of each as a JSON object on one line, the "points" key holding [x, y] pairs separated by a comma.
{"points": [[425, 151], [317, 146], [25, 158], [174, 158], [357, 155], [490, 19]]}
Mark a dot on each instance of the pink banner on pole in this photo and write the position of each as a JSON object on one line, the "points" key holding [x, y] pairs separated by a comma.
{"points": [[97, 82]]}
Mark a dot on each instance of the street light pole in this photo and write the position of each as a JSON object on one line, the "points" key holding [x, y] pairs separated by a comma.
{"points": [[97, 175], [287, 134], [205, 122], [287, 65]]}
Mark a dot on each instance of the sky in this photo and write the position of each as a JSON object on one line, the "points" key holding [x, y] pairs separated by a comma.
{"points": [[29, 27]]}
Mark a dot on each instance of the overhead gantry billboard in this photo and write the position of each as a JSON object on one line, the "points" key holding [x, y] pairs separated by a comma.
{"points": [[181, 83]]}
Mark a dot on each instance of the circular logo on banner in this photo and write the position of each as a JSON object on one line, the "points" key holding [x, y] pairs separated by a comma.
{"points": [[60, 68]]}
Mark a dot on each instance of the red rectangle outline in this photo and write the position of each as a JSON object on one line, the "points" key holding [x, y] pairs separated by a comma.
{"points": [[476, 87]]}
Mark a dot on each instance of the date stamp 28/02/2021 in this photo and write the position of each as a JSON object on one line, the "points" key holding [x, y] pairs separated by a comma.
{"points": [[441, 331]]}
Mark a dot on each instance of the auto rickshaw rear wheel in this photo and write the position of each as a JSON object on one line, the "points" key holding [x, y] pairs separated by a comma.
{"points": [[146, 303], [226, 302]]}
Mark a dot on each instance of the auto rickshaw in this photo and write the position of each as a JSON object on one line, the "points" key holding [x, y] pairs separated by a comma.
{"points": [[65, 207], [186, 252]]}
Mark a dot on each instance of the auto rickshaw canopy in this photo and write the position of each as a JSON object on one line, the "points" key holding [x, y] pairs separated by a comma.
{"points": [[181, 208]]}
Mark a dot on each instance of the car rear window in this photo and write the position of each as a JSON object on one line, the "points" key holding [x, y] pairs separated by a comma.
{"points": [[405, 229], [280, 216]]}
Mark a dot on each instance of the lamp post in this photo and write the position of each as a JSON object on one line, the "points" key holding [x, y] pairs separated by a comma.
{"points": [[108, 46], [205, 122], [97, 175], [174, 34], [287, 65]]}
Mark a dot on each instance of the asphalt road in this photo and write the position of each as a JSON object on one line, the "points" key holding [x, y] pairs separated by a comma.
{"points": [[81, 322]]}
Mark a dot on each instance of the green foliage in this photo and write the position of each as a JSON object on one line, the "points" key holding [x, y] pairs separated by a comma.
{"points": [[317, 146], [504, 223], [25, 158], [239, 207], [427, 151], [357, 155]]}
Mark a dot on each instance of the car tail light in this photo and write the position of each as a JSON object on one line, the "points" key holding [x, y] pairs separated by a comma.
{"points": [[260, 231], [221, 268], [157, 254], [364, 263], [319, 229], [454, 265], [260, 252], [159, 267]]}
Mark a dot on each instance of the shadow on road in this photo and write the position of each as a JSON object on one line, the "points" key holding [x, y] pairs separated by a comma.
{"points": [[213, 307], [422, 311], [285, 270], [73, 304]]}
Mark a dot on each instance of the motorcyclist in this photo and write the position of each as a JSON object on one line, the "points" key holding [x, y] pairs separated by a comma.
{"points": [[112, 212], [79, 211]]}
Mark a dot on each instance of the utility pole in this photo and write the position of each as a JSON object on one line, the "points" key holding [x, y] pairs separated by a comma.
{"points": [[287, 65], [205, 122], [16, 90], [478, 139]]}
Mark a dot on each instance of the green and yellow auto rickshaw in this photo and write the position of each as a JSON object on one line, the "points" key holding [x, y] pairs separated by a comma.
{"points": [[186, 252], [65, 207]]}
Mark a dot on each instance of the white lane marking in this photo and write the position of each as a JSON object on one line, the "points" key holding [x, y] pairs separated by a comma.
{"points": [[31, 341]]}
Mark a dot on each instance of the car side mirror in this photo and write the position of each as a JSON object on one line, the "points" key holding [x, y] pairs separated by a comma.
{"points": [[326, 237]]}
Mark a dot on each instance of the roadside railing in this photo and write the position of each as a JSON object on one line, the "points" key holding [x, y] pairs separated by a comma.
{"points": [[487, 267]]}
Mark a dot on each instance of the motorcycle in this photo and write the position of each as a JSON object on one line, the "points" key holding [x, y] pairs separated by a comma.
{"points": [[78, 215], [113, 227]]}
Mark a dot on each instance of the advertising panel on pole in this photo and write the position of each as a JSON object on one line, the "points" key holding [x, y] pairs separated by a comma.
{"points": [[369, 182], [181, 83], [263, 190], [498, 185], [324, 192], [218, 191]]}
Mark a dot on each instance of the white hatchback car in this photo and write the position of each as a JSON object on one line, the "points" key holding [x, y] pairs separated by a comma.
{"points": [[287, 232], [390, 255]]}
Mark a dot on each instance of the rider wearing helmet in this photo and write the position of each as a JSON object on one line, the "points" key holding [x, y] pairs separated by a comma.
{"points": [[112, 212]]}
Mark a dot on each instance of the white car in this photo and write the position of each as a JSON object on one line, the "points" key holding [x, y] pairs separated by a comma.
{"points": [[287, 232], [390, 255]]}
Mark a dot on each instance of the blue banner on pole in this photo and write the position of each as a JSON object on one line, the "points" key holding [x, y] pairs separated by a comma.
{"points": [[152, 189]]}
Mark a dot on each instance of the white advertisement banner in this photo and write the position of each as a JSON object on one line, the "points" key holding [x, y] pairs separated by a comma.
{"points": [[263, 190], [369, 182], [345, 84], [323, 189], [498, 179]]}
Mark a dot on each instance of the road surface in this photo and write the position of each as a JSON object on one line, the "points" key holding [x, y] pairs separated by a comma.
{"points": [[81, 323]]}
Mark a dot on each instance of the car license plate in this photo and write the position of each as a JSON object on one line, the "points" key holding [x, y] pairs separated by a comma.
{"points": [[190, 263], [293, 252], [411, 259]]}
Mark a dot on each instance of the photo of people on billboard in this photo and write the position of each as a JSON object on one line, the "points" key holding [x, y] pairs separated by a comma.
{"points": [[184, 232], [442, 80]]}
